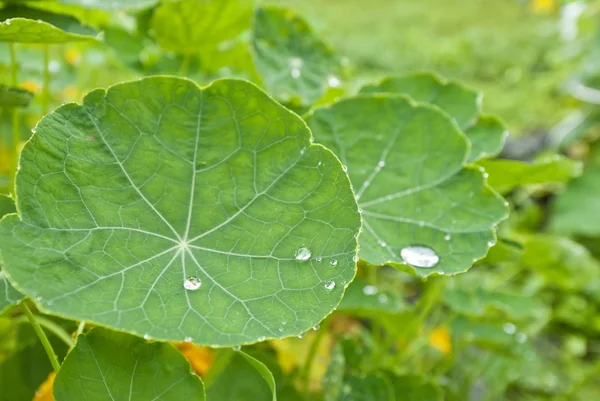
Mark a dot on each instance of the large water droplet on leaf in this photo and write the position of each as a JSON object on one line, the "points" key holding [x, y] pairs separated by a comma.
{"points": [[329, 285], [420, 256], [303, 254], [192, 283]]}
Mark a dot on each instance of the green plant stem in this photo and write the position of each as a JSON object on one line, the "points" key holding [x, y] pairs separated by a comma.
{"points": [[80, 328], [42, 336], [50, 326], [16, 137], [46, 87], [312, 352]]}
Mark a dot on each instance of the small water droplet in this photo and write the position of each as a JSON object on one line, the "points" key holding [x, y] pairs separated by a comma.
{"points": [[280, 329], [261, 338], [345, 168], [485, 175], [381, 163], [329, 285], [316, 327], [33, 130], [7, 22], [419, 256], [284, 322], [192, 283], [38, 298], [319, 259], [359, 211], [506, 203], [300, 335], [382, 243], [355, 258], [187, 339], [509, 328], [146, 336], [333, 262], [491, 243], [481, 169], [295, 73], [383, 298], [303, 254], [421, 223], [334, 82], [370, 290], [521, 338], [236, 347], [319, 163], [447, 237]]}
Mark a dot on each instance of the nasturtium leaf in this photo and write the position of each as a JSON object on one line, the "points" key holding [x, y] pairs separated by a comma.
{"points": [[8, 295], [506, 175], [486, 136], [295, 65], [372, 387], [192, 26], [244, 378], [164, 209], [423, 211], [14, 97], [30, 25], [111, 5], [110, 365], [363, 297], [576, 210], [463, 104]]}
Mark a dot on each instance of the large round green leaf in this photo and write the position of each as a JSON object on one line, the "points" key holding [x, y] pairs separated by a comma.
{"points": [[8, 295], [164, 209], [294, 63], [106, 365], [30, 25], [423, 211]]}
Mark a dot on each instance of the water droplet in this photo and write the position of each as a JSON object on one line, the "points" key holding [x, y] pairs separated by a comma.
{"points": [[481, 169], [359, 211], [447, 237], [319, 163], [521, 338], [329, 285], [38, 298], [284, 322], [485, 175], [334, 82], [505, 203], [382, 243], [192, 283], [370, 290], [316, 327], [509, 328], [295, 73], [33, 130], [383, 298], [146, 336], [261, 338], [419, 256], [319, 259], [355, 258], [295, 62], [381, 163], [280, 329], [236, 347], [7, 22], [491, 243], [421, 223], [187, 339], [300, 335], [333, 262], [303, 254]]}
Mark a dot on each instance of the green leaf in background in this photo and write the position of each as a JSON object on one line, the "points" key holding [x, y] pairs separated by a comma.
{"points": [[192, 26], [29, 25], [295, 65], [506, 175], [415, 388], [363, 297], [487, 137], [461, 102], [423, 211], [244, 378], [372, 387], [112, 5], [577, 210], [334, 376], [8, 295], [163, 209], [14, 97], [109, 365]]}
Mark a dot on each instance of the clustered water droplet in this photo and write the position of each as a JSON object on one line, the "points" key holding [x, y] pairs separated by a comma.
{"points": [[329, 285], [192, 283], [303, 254], [419, 256], [236, 347]]}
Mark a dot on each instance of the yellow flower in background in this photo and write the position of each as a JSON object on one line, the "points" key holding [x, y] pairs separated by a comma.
{"points": [[440, 339], [31, 86], [70, 93], [543, 6], [201, 358], [73, 56], [44, 393]]}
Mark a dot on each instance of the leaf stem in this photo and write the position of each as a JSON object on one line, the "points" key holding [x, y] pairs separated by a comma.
{"points": [[46, 86], [80, 328], [51, 326], [42, 336], [16, 137]]}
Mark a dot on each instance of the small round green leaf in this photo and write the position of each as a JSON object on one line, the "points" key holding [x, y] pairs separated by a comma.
{"points": [[14, 97], [164, 209], [295, 65], [28, 25], [423, 211], [487, 137], [106, 365]]}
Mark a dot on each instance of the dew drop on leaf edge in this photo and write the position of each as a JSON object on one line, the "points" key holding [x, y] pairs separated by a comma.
{"points": [[419, 256]]}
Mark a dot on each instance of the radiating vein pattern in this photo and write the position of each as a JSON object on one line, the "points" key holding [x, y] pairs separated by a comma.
{"points": [[155, 182], [406, 162]]}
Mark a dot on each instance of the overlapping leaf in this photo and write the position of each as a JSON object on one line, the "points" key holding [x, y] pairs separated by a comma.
{"points": [[293, 62], [485, 133], [406, 162], [8, 295], [109, 365], [29, 25], [14, 97], [164, 209]]}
